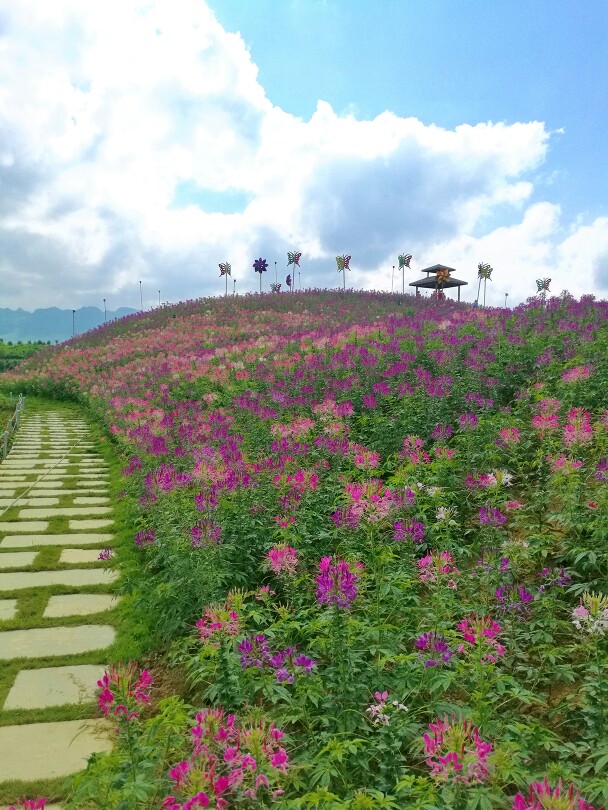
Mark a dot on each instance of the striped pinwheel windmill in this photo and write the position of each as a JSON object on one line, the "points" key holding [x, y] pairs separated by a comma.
{"points": [[484, 273], [225, 270], [404, 261], [294, 258], [343, 263], [260, 266], [542, 287]]}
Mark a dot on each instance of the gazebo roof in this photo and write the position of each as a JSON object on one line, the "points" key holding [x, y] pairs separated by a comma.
{"points": [[431, 283]]}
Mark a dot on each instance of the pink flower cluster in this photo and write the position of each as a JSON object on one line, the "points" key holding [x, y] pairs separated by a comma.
{"points": [[455, 751], [542, 797], [368, 500], [217, 620], [438, 566], [413, 450], [576, 374], [483, 632], [578, 429], [283, 559], [29, 804], [547, 416], [124, 689], [508, 436], [229, 763]]}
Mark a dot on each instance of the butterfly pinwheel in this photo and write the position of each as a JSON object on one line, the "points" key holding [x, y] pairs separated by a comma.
{"points": [[542, 284], [342, 262], [404, 260], [225, 270], [293, 258], [275, 287], [484, 273]]}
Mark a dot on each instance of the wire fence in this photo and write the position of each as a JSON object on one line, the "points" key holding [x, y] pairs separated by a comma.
{"points": [[11, 427]]}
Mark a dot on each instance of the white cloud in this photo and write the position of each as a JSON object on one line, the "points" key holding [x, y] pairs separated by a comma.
{"points": [[107, 110]]}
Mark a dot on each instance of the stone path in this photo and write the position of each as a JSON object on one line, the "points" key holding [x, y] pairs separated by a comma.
{"points": [[54, 501]]}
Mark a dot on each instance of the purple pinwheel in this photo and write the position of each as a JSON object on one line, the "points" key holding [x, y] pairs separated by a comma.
{"points": [[260, 266]]}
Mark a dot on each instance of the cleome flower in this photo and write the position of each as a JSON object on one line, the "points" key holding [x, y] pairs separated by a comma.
{"points": [[542, 797], [481, 632], [336, 583], [456, 753], [591, 615]]}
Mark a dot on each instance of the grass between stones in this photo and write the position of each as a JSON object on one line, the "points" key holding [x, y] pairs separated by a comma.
{"points": [[132, 627]]}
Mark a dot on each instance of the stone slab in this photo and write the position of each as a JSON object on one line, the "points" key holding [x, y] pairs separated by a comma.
{"points": [[79, 525], [79, 604], [99, 493], [6, 492], [45, 641], [8, 609], [90, 500], [28, 501], [30, 540], [73, 556], [54, 686], [75, 577], [24, 750], [64, 511], [17, 559], [10, 526]]}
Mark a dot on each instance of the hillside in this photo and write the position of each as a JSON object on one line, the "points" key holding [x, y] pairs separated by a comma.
{"points": [[371, 546]]}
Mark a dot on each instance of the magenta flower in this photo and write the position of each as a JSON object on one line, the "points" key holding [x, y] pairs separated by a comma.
{"points": [[456, 753], [29, 804], [482, 631], [434, 649], [336, 583], [542, 797]]}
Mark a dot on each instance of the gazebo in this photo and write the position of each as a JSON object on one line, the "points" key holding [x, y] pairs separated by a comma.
{"points": [[436, 279]]}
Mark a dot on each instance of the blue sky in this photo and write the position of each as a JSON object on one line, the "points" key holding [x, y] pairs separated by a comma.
{"points": [[149, 140], [446, 63]]}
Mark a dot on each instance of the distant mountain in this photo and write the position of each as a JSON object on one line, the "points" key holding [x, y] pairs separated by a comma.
{"points": [[52, 324]]}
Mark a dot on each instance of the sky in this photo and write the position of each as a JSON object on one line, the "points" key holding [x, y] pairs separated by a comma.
{"points": [[149, 140]]}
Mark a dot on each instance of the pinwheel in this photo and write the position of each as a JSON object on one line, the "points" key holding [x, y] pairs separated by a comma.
{"points": [[294, 258], [484, 272], [275, 287], [404, 261], [343, 265], [542, 286], [288, 281], [260, 266], [442, 276], [225, 270]]}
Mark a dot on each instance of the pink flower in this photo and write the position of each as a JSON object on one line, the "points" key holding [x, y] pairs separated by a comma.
{"points": [[455, 751], [542, 797], [279, 759], [283, 559]]}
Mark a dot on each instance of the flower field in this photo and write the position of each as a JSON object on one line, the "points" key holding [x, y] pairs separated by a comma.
{"points": [[372, 541]]}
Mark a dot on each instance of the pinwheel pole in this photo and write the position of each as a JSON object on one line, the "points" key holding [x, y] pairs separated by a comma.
{"points": [[225, 270], [275, 273], [484, 271], [294, 258], [404, 261], [393, 280], [260, 266], [343, 265]]}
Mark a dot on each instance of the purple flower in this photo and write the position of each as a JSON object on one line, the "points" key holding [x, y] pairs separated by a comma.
{"points": [[435, 648], [336, 583], [144, 537], [491, 516], [441, 432], [468, 420], [408, 530], [369, 400]]}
